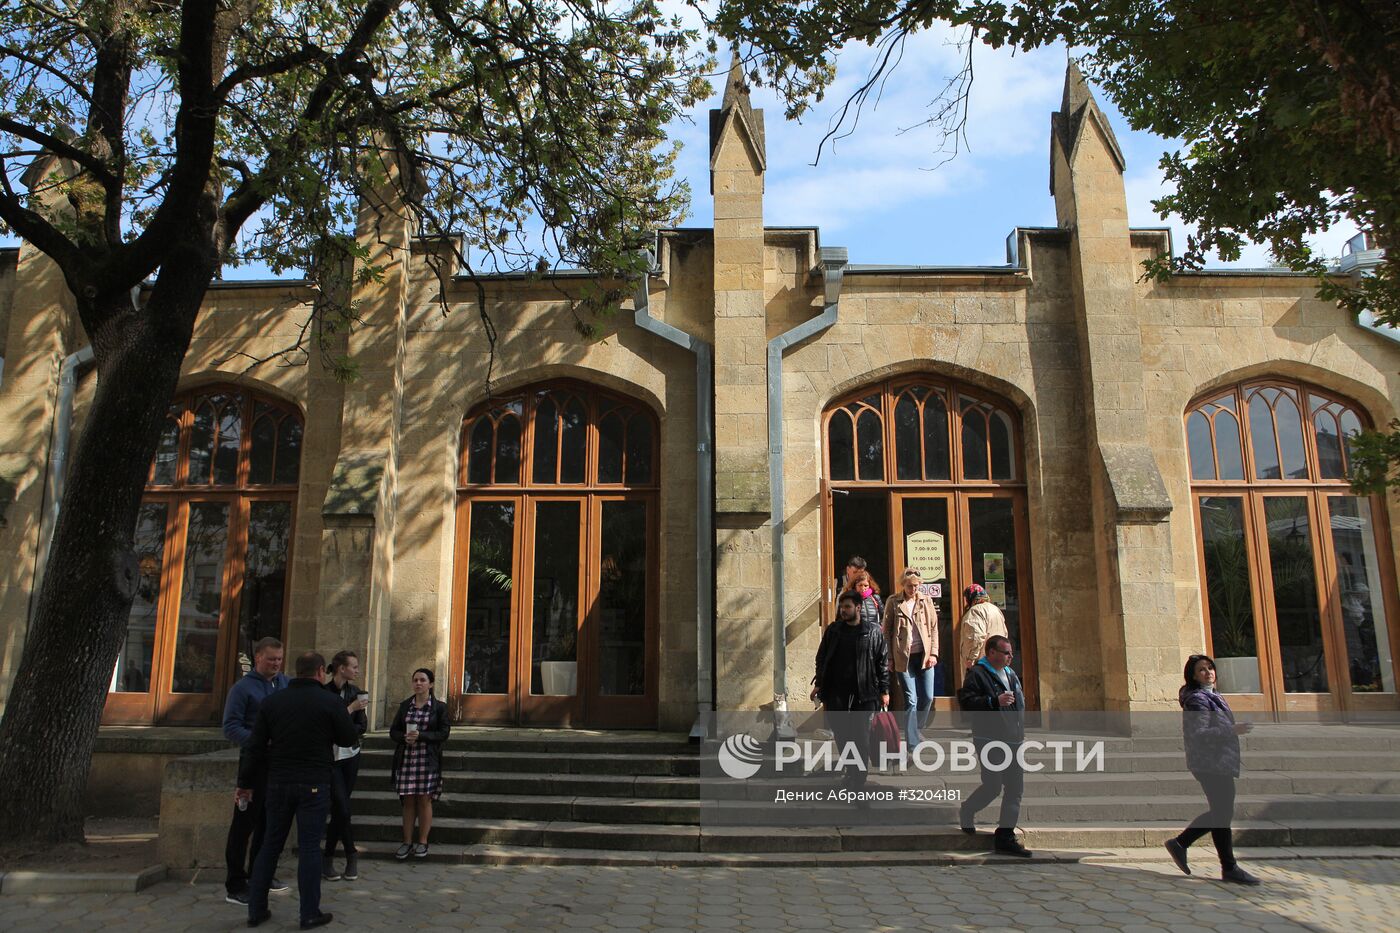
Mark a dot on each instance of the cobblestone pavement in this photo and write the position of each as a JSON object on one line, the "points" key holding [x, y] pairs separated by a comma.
{"points": [[1304, 894]]}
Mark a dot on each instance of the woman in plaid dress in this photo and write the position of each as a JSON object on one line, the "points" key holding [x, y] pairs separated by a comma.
{"points": [[420, 728]]}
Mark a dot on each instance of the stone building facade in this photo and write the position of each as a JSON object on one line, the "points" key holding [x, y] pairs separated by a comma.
{"points": [[1114, 460]]}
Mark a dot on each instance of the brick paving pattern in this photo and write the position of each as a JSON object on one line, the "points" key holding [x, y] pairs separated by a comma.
{"points": [[1302, 894]]}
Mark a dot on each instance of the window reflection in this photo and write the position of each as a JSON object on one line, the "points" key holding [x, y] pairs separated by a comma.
{"points": [[201, 598], [262, 598], [622, 598], [134, 665], [491, 555], [1364, 623]]}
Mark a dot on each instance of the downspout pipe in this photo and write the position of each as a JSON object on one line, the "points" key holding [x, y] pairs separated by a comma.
{"points": [[57, 473], [704, 499], [832, 263]]}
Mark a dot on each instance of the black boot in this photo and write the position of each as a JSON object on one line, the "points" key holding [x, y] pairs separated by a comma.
{"points": [[1005, 843]]}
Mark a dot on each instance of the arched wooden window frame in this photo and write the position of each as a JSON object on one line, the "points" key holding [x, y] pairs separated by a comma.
{"points": [[1303, 394], [156, 704], [253, 409], [525, 404], [882, 398], [1253, 490]]}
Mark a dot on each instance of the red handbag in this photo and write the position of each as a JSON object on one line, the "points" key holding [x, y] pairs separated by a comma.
{"points": [[886, 738]]}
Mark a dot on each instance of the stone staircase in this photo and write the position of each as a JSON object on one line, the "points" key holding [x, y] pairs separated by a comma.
{"points": [[573, 797]]}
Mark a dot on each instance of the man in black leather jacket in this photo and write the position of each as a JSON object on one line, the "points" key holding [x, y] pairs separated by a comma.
{"points": [[992, 693], [293, 737], [852, 680]]}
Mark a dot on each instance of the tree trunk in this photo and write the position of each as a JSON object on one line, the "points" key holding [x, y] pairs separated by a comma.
{"points": [[80, 620]]}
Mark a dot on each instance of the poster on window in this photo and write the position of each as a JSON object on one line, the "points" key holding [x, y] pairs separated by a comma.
{"points": [[996, 589], [932, 590], [926, 554], [994, 566]]}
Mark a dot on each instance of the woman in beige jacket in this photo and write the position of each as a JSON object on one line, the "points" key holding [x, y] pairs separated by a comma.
{"points": [[911, 628], [981, 621]]}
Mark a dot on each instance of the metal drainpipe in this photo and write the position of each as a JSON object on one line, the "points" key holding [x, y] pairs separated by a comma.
{"points": [[704, 500], [833, 265], [57, 473]]}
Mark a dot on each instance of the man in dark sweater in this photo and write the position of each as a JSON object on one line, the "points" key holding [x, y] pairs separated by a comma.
{"points": [[992, 693], [852, 680], [293, 739], [240, 713]]}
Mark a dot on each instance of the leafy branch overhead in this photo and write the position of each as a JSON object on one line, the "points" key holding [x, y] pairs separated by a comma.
{"points": [[526, 132], [146, 142]]}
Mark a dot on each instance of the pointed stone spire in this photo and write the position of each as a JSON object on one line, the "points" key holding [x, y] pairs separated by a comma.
{"points": [[736, 108], [1076, 107]]}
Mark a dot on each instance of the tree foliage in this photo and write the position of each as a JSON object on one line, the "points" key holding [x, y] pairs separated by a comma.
{"points": [[534, 129], [158, 141]]}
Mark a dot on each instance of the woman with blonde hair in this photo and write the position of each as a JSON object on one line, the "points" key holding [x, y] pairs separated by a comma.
{"points": [[911, 629]]}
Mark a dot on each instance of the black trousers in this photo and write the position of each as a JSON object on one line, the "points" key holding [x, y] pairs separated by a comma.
{"points": [[1220, 795], [307, 805], [343, 778], [1010, 783], [247, 826], [850, 722]]}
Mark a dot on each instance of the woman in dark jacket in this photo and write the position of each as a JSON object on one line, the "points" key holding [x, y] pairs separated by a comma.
{"points": [[420, 728], [863, 585], [345, 671], [1213, 756]]}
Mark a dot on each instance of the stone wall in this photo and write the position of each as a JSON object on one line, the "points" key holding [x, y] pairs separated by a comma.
{"points": [[196, 804]]}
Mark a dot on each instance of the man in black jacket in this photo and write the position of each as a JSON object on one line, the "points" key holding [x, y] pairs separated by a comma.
{"points": [[853, 678], [992, 693], [293, 738]]}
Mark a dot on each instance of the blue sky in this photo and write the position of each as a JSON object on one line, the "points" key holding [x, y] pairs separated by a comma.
{"points": [[876, 192]]}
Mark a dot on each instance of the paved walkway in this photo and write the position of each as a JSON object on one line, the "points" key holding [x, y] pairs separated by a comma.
{"points": [[1344, 894]]}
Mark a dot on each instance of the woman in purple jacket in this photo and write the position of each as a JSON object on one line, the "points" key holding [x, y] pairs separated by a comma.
{"points": [[1213, 756]]}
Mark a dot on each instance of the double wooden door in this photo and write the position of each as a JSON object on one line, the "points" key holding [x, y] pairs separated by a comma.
{"points": [[1298, 599], [554, 610], [955, 537]]}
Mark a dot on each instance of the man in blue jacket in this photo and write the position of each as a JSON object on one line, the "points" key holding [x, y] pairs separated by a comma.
{"points": [[991, 691], [240, 713]]}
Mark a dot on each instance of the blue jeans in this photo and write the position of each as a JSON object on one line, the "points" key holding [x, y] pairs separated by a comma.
{"points": [[308, 804], [918, 698]]}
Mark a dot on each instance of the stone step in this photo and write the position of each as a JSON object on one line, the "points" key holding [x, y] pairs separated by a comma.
{"points": [[471, 739], [1100, 810], [651, 786], [661, 788], [1103, 807], [690, 765], [540, 807], [628, 764], [526, 839]]}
